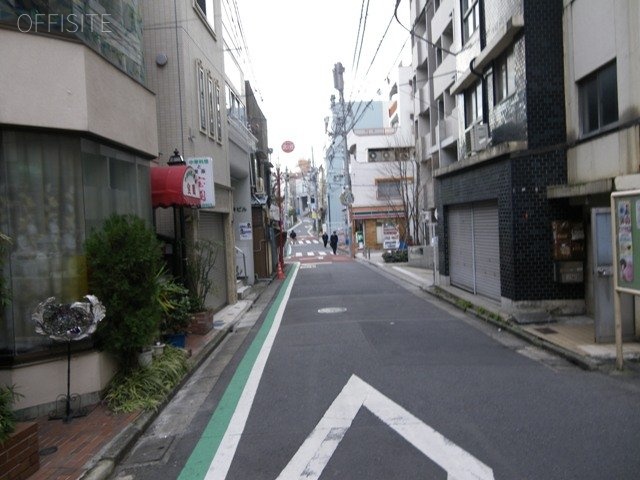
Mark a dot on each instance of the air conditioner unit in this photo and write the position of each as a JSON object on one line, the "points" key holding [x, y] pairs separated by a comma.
{"points": [[373, 156], [260, 185], [477, 137]]}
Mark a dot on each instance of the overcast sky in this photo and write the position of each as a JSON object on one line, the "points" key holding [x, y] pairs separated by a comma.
{"points": [[293, 46]]}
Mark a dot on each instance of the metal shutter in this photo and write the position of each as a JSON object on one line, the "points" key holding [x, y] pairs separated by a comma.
{"points": [[487, 250], [460, 223], [211, 227]]}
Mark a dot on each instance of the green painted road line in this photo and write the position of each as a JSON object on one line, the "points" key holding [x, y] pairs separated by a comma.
{"points": [[202, 455]]}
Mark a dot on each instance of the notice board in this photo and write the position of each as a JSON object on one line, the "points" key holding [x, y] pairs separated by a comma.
{"points": [[626, 236]]}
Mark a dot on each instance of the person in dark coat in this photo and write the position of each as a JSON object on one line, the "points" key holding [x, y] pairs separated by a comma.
{"points": [[293, 236], [325, 239], [333, 241]]}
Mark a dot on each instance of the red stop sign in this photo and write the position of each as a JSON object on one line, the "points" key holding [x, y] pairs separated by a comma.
{"points": [[288, 146]]}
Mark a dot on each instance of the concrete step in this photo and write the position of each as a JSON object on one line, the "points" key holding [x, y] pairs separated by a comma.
{"points": [[243, 291]]}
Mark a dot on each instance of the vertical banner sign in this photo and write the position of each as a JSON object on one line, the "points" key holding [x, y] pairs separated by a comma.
{"points": [[203, 167]]}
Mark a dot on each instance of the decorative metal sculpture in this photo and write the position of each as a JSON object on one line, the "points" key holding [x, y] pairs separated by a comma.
{"points": [[67, 323]]}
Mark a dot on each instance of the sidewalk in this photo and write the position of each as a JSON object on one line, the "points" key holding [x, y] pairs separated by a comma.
{"points": [[88, 447], [571, 337]]}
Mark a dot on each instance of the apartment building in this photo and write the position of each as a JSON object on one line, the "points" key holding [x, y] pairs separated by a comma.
{"points": [[184, 52], [602, 103], [77, 136], [491, 132], [383, 170]]}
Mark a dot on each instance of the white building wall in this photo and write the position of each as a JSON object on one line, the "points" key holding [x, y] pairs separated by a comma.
{"points": [[79, 97], [587, 49]]}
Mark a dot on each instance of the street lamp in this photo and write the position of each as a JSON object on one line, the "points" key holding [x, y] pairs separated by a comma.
{"points": [[176, 159]]}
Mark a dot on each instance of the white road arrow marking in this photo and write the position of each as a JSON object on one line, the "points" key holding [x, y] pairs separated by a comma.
{"points": [[316, 451]]}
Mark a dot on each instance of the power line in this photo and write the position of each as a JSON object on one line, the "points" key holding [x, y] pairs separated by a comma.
{"points": [[414, 34], [364, 27]]}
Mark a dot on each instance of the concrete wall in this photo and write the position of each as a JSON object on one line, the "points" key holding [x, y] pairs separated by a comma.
{"points": [[70, 87], [43, 382]]}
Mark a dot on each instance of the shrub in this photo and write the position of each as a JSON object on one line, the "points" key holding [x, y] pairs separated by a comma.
{"points": [[200, 266], [122, 261], [8, 395], [175, 305], [395, 256], [146, 388]]}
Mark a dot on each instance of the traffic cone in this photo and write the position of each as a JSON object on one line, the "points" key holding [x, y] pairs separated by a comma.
{"points": [[280, 272]]}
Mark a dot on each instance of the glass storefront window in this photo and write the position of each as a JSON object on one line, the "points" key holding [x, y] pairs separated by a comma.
{"points": [[53, 190]]}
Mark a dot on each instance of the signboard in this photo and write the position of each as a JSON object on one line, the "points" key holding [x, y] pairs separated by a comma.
{"points": [[288, 146], [626, 224], [203, 167], [625, 233], [245, 231], [390, 236]]}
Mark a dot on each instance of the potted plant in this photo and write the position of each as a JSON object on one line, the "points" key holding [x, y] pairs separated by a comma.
{"points": [[176, 310], [8, 395], [19, 443], [200, 267]]}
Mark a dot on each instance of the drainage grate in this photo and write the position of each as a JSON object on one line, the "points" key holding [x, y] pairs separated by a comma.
{"points": [[546, 330]]}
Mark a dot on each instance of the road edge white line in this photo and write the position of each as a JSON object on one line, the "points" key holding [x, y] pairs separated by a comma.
{"points": [[221, 462]]}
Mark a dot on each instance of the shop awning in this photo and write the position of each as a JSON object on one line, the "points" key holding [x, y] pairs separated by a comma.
{"points": [[174, 186]]}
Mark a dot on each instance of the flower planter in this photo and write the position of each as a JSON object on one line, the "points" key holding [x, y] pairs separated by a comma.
{"points": [[19, 457], [201, 322], [178, 340], [157, 349], [145, 358]]}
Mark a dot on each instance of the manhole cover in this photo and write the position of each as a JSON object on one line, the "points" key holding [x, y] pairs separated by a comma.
{"points": [[332, 310]]}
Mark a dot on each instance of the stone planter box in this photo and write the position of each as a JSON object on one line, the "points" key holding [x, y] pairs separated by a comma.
{"points": [[201, 322], [19, 457]]}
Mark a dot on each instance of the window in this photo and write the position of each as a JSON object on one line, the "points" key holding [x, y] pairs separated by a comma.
{"points": [[235, 108], [598, 96], [206, 10], [473, 105], [55, 190], [218, 113], [470, 18], [504, 76], [210, 105], [202, 105], [389, 189]]}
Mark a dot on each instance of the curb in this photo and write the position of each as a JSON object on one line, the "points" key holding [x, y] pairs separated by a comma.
{"points": [[497, 320], [115, 450]]}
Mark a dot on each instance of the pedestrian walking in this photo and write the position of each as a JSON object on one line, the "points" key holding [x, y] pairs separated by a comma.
{"points": [[334, 242], [325, 239], [293, 236]]}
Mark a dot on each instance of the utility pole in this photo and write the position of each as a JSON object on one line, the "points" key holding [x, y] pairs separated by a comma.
{"points": [[338, 84], [282, 237]]}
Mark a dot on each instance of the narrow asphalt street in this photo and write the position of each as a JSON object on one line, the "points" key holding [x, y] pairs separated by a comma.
{"points": [[344, 373]]}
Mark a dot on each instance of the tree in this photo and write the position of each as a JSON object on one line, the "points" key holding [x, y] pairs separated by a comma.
{"points": [[402, 174]]}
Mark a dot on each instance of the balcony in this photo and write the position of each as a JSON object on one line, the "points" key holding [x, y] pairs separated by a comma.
{"points": [[444, 75], [418, 7], [442, 18], [423, 95]]}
